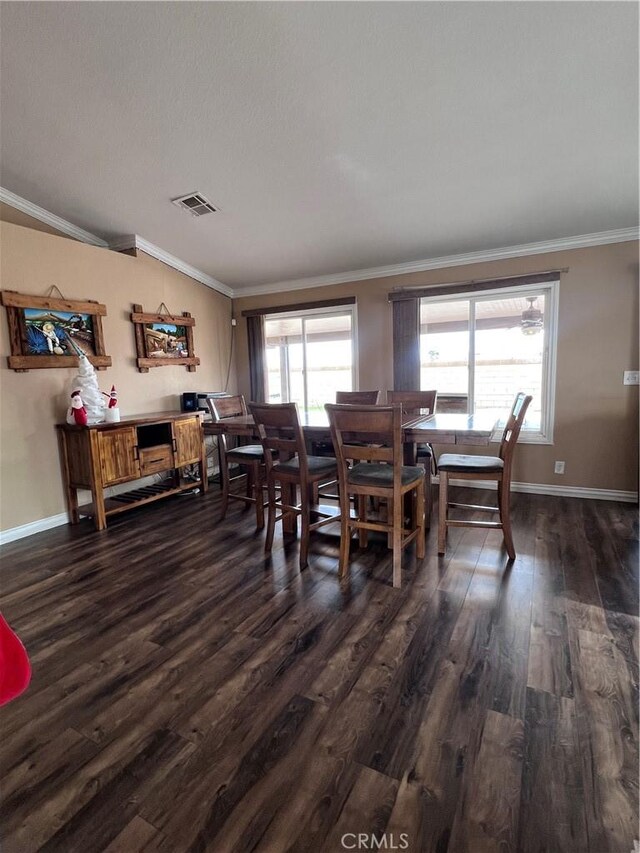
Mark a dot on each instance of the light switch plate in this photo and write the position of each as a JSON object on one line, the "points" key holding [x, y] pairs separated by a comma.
{"points": [[631, 377]]}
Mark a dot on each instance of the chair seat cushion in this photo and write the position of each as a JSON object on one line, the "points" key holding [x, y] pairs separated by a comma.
{"points": [[452, 462], [424, 450], [378, 474], [251, 452], [316, 464]]}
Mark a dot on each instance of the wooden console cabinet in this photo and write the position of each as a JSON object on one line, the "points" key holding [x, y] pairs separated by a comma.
{"points": [[101, 455]]}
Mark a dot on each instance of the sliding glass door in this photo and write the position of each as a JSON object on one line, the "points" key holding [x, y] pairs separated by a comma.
{"points": [[310, 356]]}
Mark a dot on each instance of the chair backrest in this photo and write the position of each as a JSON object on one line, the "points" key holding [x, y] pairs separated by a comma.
{"points": [[376, 429], [414, 402], [227, 407], [278, 426], [358, 398], [513, 426]]}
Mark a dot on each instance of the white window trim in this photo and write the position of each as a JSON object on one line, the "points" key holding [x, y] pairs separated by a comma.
{"points": [[336, 309], [552, 290]]}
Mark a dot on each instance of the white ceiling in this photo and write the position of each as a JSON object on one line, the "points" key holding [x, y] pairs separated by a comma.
{"points": [[334, 136]]}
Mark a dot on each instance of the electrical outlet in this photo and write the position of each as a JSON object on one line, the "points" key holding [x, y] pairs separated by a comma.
{"points": [[631, 377], [558, 468], [234, 322]]}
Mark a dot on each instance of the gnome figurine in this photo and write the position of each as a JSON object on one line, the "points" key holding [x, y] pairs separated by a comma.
{"points": [[76, 413]]}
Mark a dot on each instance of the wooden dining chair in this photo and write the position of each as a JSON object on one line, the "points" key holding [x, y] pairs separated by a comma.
{"points": [[371, 438], [358, 398], [354, 398], [250, 457], [416, 403], [484, 468], [287, 463]]}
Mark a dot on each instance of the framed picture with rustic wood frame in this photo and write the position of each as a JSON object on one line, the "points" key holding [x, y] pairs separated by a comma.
{"points": [[47, 331], [164, 339]]}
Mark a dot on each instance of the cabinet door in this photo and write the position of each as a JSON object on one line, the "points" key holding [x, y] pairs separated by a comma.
{"points": [[118, 455], [188, 441]]}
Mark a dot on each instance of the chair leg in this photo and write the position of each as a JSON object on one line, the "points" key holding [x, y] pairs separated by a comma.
{"points": [[504, 504], [442, 512], [363, 536], [420, 523], [271, 521], [289, 518], [224, 476], [345, 533], [398, 524], [258, 493], [305, 520], [250, 484], [428, 497]]}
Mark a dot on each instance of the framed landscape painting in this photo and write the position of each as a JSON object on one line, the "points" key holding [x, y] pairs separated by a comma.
{"points": [[163, 340], [47, 332], [50, 332]]}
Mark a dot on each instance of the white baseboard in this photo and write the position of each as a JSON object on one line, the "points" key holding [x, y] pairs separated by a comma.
{"points": [[32, 527], [558, 491]]}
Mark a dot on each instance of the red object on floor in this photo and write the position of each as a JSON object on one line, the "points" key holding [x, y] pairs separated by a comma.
{"points": [[15, 669]]}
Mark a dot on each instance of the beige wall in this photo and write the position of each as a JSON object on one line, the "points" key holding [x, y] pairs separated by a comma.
{"points": [[596, 424], [30, 262], [596, 430]]}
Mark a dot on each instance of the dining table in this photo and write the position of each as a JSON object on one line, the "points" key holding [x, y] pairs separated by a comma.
{"points": [[438, 428]]}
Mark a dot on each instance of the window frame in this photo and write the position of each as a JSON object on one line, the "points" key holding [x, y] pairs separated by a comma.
{"points": [[551, 289], [335, 310]]}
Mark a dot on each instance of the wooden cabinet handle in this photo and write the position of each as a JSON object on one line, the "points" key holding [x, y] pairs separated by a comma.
{"points": [[175, 446], [136, 452]]}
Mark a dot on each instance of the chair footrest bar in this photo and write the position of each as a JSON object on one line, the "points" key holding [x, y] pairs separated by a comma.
{"points": [[494, 525], [244, 498], [475, 506]]}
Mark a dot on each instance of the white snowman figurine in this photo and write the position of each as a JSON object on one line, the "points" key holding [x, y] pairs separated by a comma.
{"points": [[86, 384]]}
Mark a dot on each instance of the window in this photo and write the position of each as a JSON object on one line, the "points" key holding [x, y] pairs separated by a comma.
{"points": [[479, 350], [309, 356]]}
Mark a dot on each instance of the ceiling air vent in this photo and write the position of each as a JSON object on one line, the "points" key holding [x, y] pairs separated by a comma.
{"points": [[195, 204]]}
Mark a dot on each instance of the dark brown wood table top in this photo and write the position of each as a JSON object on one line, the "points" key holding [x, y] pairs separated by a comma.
{"points": [[440, 428]]}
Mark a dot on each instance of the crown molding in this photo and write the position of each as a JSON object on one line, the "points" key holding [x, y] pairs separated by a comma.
{"points": [[51, 219], [134, 241], [621, 235], [131, 242]]}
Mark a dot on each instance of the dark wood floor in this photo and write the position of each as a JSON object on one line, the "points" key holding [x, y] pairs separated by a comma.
{"points": [[189, 695]]}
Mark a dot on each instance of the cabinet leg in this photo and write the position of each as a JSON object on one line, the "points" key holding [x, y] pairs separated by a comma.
{"points": [[72, 505], [71, 493], [100, 518]]}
